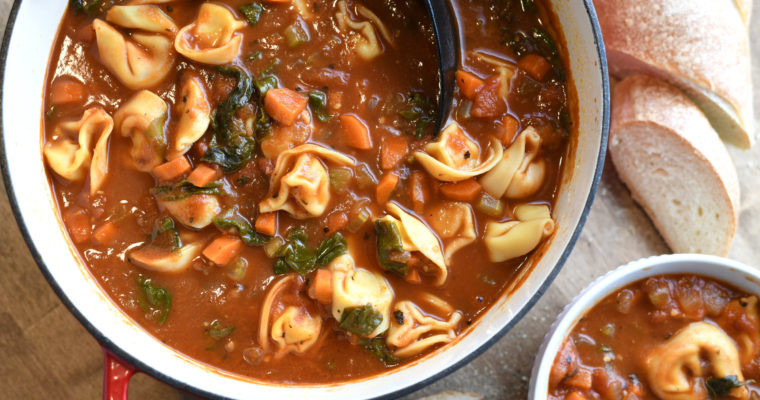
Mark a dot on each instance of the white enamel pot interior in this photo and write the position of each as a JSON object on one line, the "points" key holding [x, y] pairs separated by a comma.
{"points": [[722, 269], [31, 30]]}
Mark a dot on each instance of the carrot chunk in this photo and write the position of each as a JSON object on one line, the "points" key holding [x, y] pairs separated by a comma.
{"points": [[385, 188], [536, 66], [355, 132], [202, 175], [468, 83], [284, 105], [466, 190], [392, 151], [172, 169], [106, 233], [413, 276], [79, 226], [223, 249], [511, 126], [581, 380], [337, 221], [266, 223], [418, 191], [67, 91], [321, 286]]}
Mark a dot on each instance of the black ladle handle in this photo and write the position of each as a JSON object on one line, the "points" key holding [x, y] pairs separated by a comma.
{"points": [[446, 40]]}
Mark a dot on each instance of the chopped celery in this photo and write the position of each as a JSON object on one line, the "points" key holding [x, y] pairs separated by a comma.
{"points": [[490, 206], [296, 34], [340, 178], [364, 177], [358, 220], [272, 246], [237, 269]]}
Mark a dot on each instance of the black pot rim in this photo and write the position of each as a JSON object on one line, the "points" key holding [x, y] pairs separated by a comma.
{"points": [[110, 346]]}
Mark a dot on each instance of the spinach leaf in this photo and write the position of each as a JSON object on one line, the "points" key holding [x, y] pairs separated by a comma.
{"points": [[230, 147], [419, 112], [231, 218], [318, 103], [295, 255], [361, 321], [390, 250], [251, 12], [721, 387], [91, 7], [185, 189], [378, 347], [217, 331], [330, 248], [165, 234], [154, 300]]}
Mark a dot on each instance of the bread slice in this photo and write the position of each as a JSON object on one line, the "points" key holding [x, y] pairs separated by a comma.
{"points": [[674, 164], [700, 46]]}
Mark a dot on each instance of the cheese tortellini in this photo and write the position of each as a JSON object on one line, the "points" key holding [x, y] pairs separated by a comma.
{"points": [[144, 57], [194, 115], [455, 224], [295, 329], [212, 37], [455, 157], [519, 173], [143, 118], [71, 159], [196, 211], [416, 236], [300, 184], [672, 366], [166, 260], [411, 323], [507, 240], [356, 287], [362, 37]]}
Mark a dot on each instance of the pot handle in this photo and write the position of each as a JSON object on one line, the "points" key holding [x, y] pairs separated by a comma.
{"points": [[116, 375]]}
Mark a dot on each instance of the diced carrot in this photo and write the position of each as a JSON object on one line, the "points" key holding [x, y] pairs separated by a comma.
{"points": [[385, 187], [581, 380], [487, 101], [575, 396], [223, 249], [392, 151], [418, 191], [413, 276], [536, 66], [67, 91], [355, 132], [321, 286], [337, 221], [466, 190], [284, 105], [266, 223], [78, 223], [173, 169], [511, 126], [468, 83], [106, 233], [202, 175]]}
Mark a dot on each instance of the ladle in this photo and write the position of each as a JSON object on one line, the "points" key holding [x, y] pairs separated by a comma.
{"points": [[446, 41]]}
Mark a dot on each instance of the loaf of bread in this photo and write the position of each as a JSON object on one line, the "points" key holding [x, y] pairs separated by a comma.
{"points": [[674, 164], [700, 46]]}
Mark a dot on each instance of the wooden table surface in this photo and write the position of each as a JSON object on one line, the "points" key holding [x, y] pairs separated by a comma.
{"points": [[46, 354]]}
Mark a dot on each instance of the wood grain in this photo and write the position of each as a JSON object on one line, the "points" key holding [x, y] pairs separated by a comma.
{"points": [[46, 354]]}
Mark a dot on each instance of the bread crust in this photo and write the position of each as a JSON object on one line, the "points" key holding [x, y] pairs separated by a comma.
{"points": [[642, 102], [701, 46]]}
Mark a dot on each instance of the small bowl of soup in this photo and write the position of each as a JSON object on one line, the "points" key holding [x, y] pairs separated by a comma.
{"points": [[668, 327]]}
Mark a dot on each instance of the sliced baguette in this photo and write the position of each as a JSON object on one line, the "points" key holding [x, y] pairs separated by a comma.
{"points": [[674, 164], [700, 46]]}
